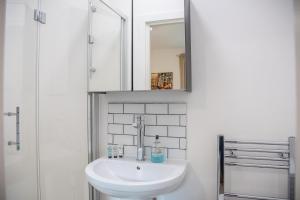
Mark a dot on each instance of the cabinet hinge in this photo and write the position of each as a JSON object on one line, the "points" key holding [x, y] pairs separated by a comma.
{"points": [[39, 16], [91, 39], [93, 8]]}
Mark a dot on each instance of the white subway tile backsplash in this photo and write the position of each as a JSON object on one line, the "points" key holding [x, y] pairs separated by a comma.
{"points": [[183, 143], [156, 130], [165, 141], [176, 154], [169, 142], [110, 118], [115, 108], [177, 108], [168, 120], [134, 108], [163, 119], [115, 128], [150, 119], [157, 108], [182, 120], [130, 151], [148, 152], [176, 131], [123, 118], [123, 139], [149, 141], [110, 139], [130, 130]]}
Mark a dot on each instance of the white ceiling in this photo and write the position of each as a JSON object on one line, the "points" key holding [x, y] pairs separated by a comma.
{"points": [[168, 36]]}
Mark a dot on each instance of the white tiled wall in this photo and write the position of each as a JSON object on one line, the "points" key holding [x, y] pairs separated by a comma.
{"points": [[168, 120]]}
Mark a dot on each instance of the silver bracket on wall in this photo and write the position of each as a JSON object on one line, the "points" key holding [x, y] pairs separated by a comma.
{"points": [[93, 8], [39, 16], [91, 39]]}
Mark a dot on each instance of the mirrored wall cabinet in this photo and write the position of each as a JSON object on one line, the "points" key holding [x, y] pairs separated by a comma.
{"points": [[139, 45]]}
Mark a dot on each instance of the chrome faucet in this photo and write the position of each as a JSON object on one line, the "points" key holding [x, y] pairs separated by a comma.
{"points": [[139, 124]]}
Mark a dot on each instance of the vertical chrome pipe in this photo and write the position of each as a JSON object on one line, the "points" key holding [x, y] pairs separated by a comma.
{"points": [[140, 126], [93, 137], [292, 168], [221, 177], [89, 138]]}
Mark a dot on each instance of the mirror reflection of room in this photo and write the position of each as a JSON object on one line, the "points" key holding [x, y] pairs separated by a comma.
{"points": [[160, 45], [167, 55]]}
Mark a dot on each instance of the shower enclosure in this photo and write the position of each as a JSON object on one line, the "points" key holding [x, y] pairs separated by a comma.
{"points": [[45, 100], [53, 51]]}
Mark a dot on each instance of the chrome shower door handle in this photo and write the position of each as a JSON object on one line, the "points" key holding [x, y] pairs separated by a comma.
{"points": [[17, 114]]}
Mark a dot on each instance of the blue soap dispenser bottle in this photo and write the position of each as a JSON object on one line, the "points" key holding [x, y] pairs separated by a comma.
{"points": [[157, 151]]}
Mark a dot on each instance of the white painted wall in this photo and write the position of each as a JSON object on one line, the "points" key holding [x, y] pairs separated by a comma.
{"points": [[243, 62], [167, 60]]}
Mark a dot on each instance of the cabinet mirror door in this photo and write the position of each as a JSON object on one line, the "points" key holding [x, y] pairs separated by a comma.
{"points": [[110, 45], [161, 45]]}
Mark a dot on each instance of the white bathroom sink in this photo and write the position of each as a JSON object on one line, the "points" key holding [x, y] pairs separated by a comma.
{"points": [[124, 178]]}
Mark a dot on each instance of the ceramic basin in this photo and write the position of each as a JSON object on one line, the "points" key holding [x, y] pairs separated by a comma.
{"points": [[125, 178]]}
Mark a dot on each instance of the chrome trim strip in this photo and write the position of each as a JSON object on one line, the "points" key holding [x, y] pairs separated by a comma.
{"points": [[256, 165], [257, 143], [93, 137], [243, 196], [256, 158], [257, 150]]}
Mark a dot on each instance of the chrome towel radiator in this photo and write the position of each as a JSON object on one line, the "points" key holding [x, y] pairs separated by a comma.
{"points": [[229, 155]]}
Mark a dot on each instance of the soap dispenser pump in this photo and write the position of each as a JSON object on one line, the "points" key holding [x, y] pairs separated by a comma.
{"points": [[157, 151]]}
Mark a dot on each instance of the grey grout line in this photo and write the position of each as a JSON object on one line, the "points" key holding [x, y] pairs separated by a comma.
{"points": [[167, 131], [167, 152], [171, 148], [145, 124], [162, 125], [121, 134], [179, 114], [153, 136], [169, 102]]}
